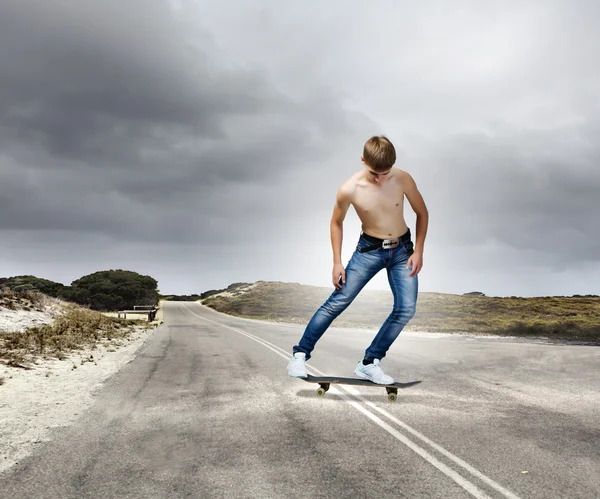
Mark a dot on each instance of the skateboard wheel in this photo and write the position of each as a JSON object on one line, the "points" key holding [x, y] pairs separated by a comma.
{"points": [[392, 397], [321, 391]]}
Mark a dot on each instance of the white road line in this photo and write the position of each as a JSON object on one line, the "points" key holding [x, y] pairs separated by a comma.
{"points": [[507, 493], [464, 483]]}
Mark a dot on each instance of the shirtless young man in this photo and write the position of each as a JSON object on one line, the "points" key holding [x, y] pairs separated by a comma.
{"points": [[377, 194]]}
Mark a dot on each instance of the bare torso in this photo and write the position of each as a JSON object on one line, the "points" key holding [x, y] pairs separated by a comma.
{"points": [[380, 207]]}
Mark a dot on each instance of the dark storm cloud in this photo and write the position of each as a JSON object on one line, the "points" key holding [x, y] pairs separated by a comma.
{"points": [[111, 111], [83, 84]]}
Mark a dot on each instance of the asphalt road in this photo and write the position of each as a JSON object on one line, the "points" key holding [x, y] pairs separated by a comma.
{"points": [[206, 410]]}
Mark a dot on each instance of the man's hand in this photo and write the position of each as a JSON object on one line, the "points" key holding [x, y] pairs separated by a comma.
{"points": [[338, 275], [416, 262]]}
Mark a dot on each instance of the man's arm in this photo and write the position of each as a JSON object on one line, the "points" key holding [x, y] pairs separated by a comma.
{"points": [[418, 205], [342, 203]]}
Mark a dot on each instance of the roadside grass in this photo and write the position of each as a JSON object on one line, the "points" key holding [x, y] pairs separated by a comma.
{"points": [[26, 300], [575, 319], [74, 329]]}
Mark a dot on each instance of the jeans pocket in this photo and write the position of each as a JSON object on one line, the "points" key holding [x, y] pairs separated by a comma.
{"points": [[363, 243], [409, 247]]}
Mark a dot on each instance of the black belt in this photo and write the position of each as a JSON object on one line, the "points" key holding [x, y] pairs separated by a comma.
{"points": [[384, 243]]}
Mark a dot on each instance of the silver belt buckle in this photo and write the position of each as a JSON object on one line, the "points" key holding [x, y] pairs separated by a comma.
{"points": [[390, 243]]}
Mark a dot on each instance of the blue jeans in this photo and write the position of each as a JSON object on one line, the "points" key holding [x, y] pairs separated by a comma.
{"points": [[361, 268]]}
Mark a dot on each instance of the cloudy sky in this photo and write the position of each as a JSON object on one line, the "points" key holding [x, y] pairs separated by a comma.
{"points": [[202, 143]]}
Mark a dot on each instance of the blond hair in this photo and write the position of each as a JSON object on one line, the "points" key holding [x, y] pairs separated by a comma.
{"points": [[379, 153]]}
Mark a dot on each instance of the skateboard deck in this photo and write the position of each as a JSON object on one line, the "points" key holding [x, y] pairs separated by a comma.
{"points": [[325, 381]]}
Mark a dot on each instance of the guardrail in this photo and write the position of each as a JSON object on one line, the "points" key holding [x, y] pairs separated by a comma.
{"points": [[139, 309]]}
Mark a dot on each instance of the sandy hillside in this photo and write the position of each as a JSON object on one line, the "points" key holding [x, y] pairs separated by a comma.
{"points": [[20, 315], [53, 393]]}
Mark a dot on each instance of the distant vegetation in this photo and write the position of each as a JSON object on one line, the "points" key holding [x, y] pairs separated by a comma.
{"points": [[104, 290], [180, 297], [22, 283], [575, 318], [235, 288]]}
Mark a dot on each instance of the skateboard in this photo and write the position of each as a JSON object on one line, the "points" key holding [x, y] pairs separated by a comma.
{"points": [[325, 381]]}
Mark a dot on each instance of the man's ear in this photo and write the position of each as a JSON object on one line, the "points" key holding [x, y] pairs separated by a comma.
{"points": [[362, 160]]}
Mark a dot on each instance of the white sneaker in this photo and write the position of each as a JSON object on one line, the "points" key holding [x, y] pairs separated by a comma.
{"points": [[373, 373], [297, 366]]}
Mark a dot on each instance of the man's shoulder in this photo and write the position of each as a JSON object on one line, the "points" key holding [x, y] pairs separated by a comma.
{"points": [[401, 173], [349, 185], [403, 176]]}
